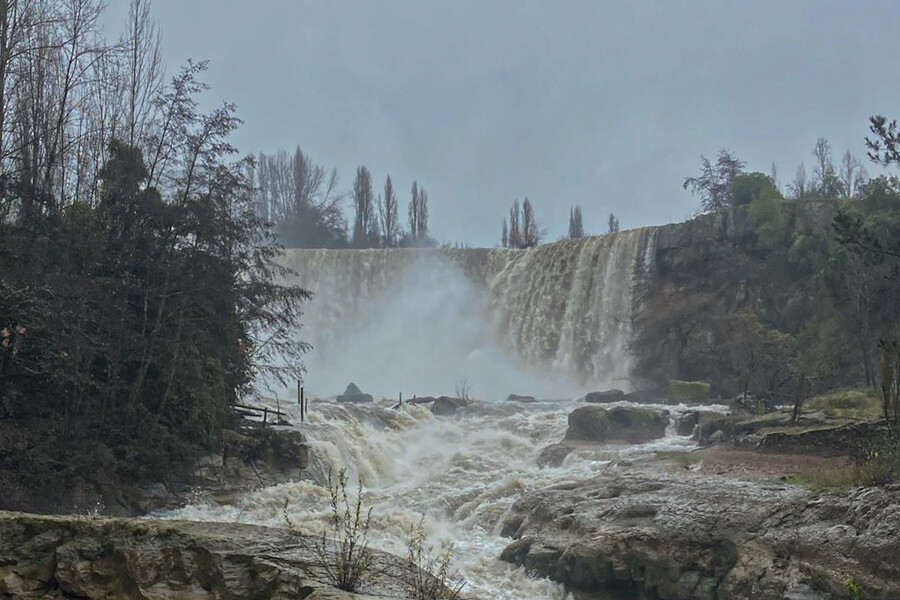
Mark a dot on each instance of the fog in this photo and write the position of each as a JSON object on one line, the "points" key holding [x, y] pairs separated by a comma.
{"points": [[421, 333]]}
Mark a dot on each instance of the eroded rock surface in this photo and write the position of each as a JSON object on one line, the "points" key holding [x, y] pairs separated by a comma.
{"points": [[45, 557], [649, 535], [620, 424]]}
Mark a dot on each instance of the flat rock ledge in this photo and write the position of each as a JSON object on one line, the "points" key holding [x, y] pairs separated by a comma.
{"points": [[51, 557], [664, 537]]}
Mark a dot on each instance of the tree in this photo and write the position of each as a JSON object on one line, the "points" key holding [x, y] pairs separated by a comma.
{"points": [[143, 44], [798, 187], [365, 231], [388, 211], [714, 184], [504, 234], [612, 223], [515, 226], [852, 174], [748, 186], [418, 215], [531, 234], [576, 226]]}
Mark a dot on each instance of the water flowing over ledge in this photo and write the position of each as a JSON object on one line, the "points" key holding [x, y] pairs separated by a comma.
{"points": [[555, 320]]}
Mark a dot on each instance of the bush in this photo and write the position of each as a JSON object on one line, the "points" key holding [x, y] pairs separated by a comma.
{"points": [[428, 574], [345, 555], [693, 391]]}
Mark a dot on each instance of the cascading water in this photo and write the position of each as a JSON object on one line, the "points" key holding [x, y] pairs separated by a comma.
{"points": [[551, 322], [462, 473]]}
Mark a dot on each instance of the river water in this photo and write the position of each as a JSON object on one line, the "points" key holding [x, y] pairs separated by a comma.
{"points": [[462, 473]]}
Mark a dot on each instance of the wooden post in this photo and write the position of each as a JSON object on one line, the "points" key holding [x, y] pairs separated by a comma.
{"points": [[300, 399], [265, 415], [401, 398]]}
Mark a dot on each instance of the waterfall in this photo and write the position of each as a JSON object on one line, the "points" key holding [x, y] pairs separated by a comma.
{"points": [[551, 320]]}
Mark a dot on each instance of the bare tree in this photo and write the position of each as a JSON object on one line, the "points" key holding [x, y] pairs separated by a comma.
{"points": [[143, 44], [612, 223], [576, 225], [515, 225], [798, 188], [504, 234], [531, 233], [388, 210], [823, 165], [364, 224], [418, 215], [852, 174]]}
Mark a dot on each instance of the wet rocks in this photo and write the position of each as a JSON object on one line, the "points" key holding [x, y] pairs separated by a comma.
{"points": [[693, 538], [447, 405], [77, 557], [353, 395], [620, 424], [518, 398], [688, 421], [605, 397], [554, 455]]}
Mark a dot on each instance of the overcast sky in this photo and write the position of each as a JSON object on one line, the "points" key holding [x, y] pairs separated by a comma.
{"points": [[605, 104]]}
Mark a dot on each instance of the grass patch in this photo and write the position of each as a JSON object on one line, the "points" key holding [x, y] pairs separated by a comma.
{"points": [[879, 466], [691, 391], [853, 403]]}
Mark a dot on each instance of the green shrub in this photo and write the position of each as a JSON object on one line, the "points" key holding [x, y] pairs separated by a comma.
{"points": [[694, 391]]}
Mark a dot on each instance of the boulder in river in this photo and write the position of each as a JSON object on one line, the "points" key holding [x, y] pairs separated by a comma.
{"points": [[605, 397], [553, 455], [446, 405], [518, 398], [688, 420], [619, 424], [353, 395]]}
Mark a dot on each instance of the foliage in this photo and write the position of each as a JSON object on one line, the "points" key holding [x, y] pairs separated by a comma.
{"points": [[854, 590], [345, 554], [695, 391], [715, 183], [523, 231], [746, 187], [134, 319], [428, 574], [576, 225]]}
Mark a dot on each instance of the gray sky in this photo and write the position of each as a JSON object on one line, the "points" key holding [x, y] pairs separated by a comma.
{"points": [[606, 104]]}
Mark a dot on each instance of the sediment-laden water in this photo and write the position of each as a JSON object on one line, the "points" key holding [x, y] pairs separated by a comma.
{"points": [[462, 473], [554, 320]]}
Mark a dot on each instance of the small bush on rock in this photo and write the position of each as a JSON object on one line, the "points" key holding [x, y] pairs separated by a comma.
{"points": [[345, 554], [428, 574]]}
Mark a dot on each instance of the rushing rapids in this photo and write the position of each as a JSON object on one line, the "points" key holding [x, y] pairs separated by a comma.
{"points": [[463, 474], [553, 319]]}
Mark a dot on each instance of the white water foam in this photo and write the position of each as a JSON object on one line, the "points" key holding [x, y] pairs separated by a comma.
{"points": [[462, 473]]}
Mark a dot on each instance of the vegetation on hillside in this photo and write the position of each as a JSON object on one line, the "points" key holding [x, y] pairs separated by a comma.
{"points": [[801, 295], [138, 294]]}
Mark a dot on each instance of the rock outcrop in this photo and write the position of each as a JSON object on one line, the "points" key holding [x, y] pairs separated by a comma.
{"points": [[353, 395], [620, 424], [604, 397], [518, 398], [553, 455], [642, 535], [124, 559], [446, 405]]}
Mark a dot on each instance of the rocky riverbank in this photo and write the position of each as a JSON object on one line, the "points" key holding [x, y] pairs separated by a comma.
{"points": [[51, 558], [645, 534]]}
